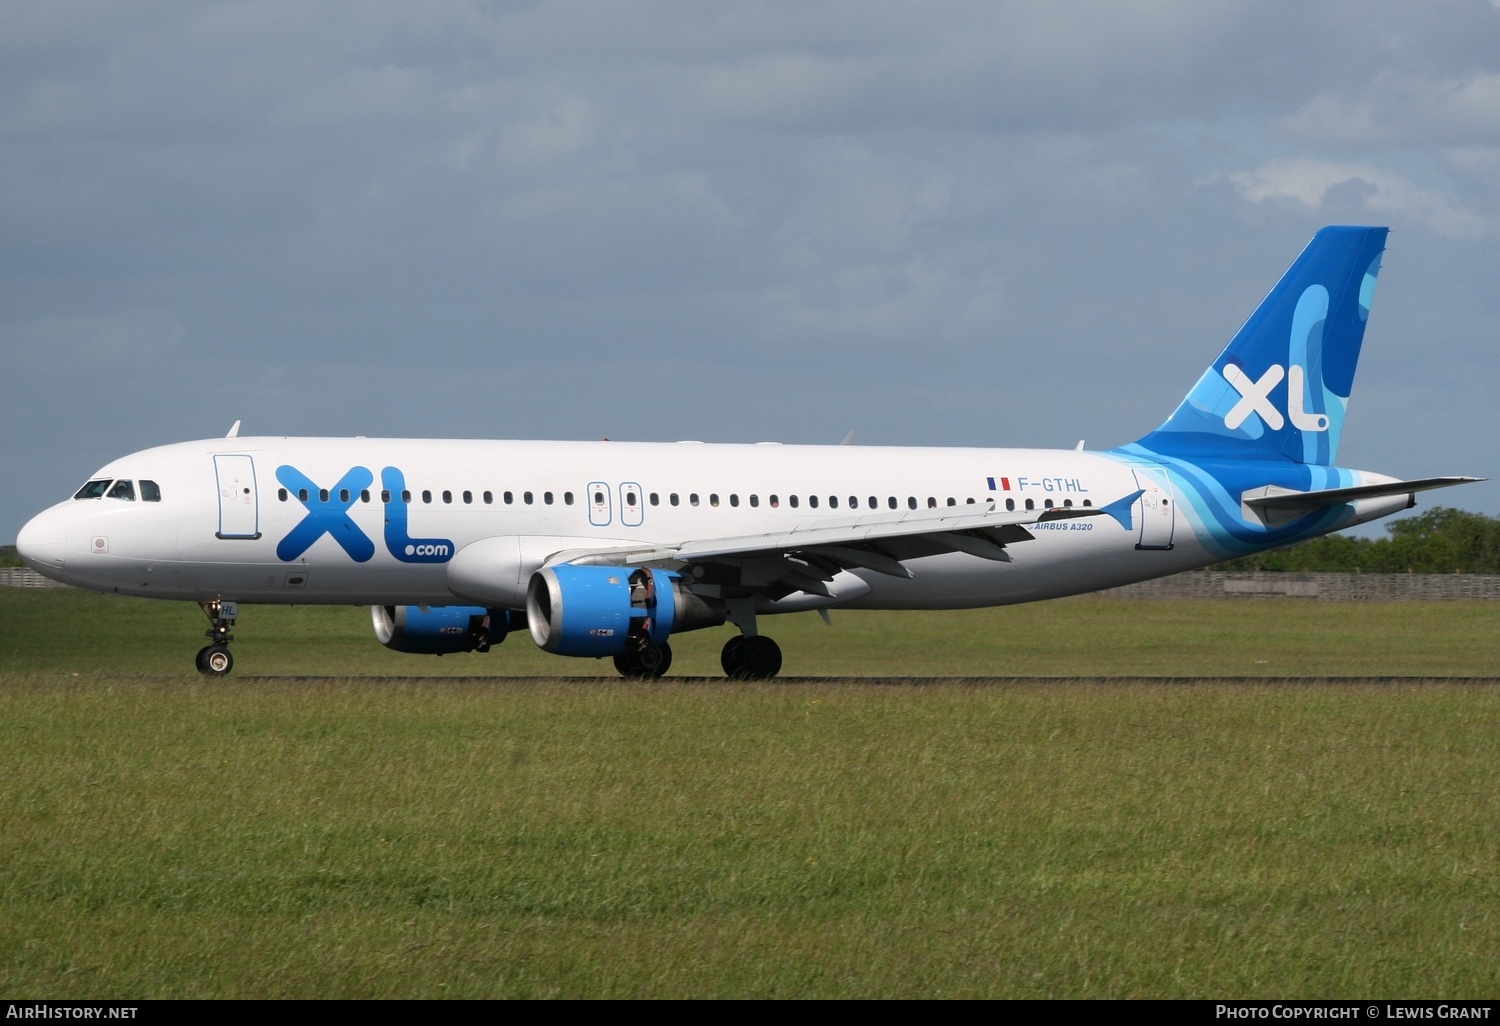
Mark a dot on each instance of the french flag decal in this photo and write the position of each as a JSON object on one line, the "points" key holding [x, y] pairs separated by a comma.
{"points": [[1004, 484]]}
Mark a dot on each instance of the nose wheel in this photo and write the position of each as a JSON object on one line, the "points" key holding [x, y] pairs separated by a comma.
{"points": [[214, 659]]}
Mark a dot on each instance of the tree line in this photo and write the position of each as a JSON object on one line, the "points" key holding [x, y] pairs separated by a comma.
{"points": [[1439, 541]]}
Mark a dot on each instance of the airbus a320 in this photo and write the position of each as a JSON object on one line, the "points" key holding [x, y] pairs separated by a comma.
{"points": [[608, 549]]}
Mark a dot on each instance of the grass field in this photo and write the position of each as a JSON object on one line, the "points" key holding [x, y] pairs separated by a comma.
{"points": [[353, 836]]}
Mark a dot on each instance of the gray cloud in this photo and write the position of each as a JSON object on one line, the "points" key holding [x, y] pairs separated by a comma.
{"points": [[960, 223]]}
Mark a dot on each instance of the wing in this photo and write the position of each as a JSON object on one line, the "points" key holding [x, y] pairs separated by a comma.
{"points": [[807, 558]]}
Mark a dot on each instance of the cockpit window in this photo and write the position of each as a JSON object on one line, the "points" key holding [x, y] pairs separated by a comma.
{"points": [[150, 491], [123, 490], [93, 490]]}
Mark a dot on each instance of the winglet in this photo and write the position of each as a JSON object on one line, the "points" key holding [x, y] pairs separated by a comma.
{"points": [[1120, 508], [234, 432]]}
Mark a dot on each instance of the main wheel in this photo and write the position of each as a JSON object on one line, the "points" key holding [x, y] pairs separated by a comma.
{"points": [[728, 658], [649, 663], [215, 660], [757, 658], [760, 658]]}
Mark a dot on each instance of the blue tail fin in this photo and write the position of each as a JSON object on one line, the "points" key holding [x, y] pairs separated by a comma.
{"points": [[1280, 388]]}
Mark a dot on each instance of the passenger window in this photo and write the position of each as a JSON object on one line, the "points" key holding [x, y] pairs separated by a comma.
{"points": [[489, 498], [631, 499], [385, 495], [754, 501], [510, 498], [1030, 504], [322, 494], [693, 499], [952, 501], [364, 495], [833, 502], [1047, 503], [734, 500], [567, 498], [854, 502], [547, 498], [447, 495], [406, 495], [527, 498], [969, 502], [343, 495], [301, 494], [1067, 502], [123, 490], [468, 497], [151, 492], [426, 495], [713, 499], [672, 498], [1010, 504], [812, 502], [1088, 502], [655, 499], [874, 502], [281, 494], [775, 502], [793, 500], [93, 490], [911, 502]]}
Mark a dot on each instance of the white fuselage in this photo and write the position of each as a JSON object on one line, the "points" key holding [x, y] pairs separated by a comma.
{"points": [[222, 525]]}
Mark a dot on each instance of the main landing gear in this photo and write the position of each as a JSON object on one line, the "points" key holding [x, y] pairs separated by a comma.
{"points": [[750, 657], [214, 659], [646, 662]]}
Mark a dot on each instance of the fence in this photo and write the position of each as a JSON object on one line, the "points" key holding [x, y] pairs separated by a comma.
{"points": [[1217, 584], [25, 577]]}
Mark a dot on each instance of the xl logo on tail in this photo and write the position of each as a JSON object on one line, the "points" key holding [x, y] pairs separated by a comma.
{"points": [[1255, 397]]}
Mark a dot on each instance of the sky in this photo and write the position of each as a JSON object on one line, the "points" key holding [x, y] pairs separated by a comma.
{"points": [[990, 223]]}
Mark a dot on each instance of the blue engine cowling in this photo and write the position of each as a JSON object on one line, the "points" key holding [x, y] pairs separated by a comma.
{"points": [[602, 610], [438, 630]]}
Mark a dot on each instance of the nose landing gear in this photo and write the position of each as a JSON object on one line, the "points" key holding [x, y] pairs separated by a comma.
{"points": [[214, 659]]}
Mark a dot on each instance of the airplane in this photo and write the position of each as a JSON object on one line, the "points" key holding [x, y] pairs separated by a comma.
{"points": [[607, 548]]}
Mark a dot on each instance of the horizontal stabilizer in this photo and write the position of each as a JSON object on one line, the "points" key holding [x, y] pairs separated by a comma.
{"points": [[1275, 498]]}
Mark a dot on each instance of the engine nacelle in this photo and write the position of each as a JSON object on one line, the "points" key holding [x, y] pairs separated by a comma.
{"points": [[602, 610], [438, 630]]}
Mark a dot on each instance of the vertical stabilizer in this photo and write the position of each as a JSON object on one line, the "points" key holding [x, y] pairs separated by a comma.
{"points": [[1281, 386]]}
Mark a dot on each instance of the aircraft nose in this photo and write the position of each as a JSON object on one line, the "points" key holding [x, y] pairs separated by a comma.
{"points": [[43, 541]]}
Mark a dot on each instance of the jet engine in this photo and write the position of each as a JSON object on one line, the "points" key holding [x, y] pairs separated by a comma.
{"points": [[605, 610], [438, 630]]}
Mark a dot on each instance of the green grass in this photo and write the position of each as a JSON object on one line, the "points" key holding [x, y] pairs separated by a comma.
{"points": [[162, 835], [65, 630]]}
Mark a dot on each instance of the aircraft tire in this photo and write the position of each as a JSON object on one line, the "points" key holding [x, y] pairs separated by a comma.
{"points": [[215, 660], [757, 658], [650, 663], [728, 657]]}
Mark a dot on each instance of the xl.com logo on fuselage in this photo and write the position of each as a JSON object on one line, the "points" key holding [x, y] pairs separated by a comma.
{"points": [[328, 513]]}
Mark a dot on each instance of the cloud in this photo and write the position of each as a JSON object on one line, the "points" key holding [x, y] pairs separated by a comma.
{"points": [[1403, 108], [1308, 182]]}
